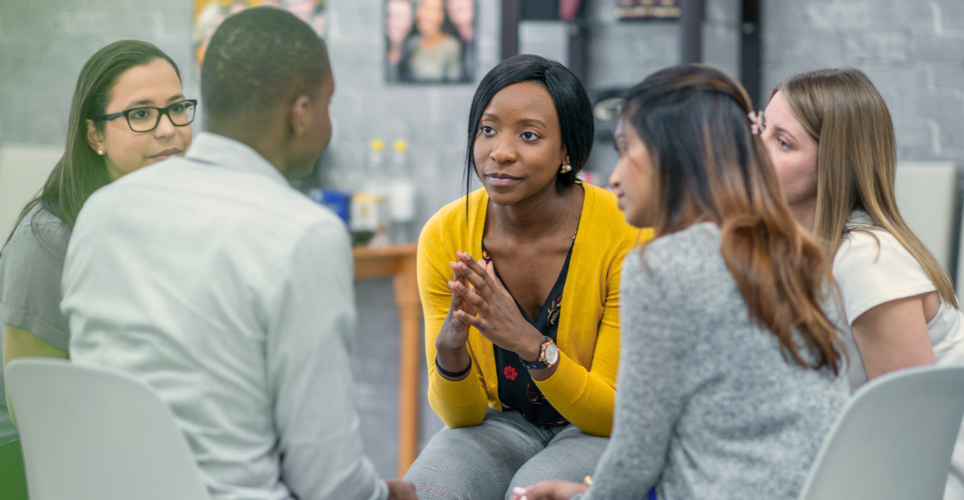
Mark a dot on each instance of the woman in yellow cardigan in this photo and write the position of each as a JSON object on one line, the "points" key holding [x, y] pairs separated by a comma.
{"points": [[520, 286]]}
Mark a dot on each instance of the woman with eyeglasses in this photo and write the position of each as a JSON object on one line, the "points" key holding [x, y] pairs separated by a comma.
{"points": [[128, 112]]}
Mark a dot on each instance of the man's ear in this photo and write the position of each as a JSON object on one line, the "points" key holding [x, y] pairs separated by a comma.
{"points": [[95, 138], [301, 116]]}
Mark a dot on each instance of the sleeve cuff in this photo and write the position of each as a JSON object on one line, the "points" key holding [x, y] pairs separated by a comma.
{"points": [[32, 323], [857, 309], [381, 490], [455, 394]]}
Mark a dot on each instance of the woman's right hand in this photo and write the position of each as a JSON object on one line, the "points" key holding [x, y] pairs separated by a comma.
{"points": [[450, 347], [455, 332], [549, 490]]}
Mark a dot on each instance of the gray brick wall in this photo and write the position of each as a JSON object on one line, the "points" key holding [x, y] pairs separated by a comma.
{"points": [[621, 54], [912, 51], [45, 43], [431, 117]]}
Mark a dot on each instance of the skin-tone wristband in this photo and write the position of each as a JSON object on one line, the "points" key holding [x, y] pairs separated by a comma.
{"points": [[449, 374]]}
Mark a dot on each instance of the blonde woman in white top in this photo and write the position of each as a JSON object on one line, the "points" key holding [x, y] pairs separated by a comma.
{"points": [[831, 140]]}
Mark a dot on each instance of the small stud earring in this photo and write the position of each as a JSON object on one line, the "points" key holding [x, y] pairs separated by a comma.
{"points": [[566, 169], [100, 152]]}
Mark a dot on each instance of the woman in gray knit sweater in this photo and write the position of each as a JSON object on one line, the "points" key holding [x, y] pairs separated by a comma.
{"points": [[730, 372]]}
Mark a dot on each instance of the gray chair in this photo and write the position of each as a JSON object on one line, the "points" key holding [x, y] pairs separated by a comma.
{"points": [[94, 434], [893, 439]]}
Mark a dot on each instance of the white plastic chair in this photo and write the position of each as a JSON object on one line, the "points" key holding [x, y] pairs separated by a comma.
{"points": [[927, 199], [893, 439], [94, 434]]}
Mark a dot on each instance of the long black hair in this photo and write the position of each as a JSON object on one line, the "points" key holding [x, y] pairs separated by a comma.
{"points": [[568, 95], [81, 171]]}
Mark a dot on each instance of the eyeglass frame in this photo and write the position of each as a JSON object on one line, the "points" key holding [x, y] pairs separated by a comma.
{"points": [[166, 110]]}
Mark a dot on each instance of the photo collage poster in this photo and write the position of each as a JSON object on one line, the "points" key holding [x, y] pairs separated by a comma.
{"points": [[430, 41]]}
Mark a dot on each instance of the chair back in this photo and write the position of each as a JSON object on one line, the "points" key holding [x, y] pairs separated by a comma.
{"points": [[96, 434], [893, 439], [927, 197]]}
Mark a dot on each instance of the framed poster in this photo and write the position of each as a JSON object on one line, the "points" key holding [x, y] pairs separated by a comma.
{"points": [[429, 41], [647, 9], [208, 15]]}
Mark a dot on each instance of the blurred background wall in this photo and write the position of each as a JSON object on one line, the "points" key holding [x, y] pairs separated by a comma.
{"points": [[912, 50]]}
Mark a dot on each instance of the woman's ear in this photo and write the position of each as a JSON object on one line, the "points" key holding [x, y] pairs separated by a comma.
{"points": [[95, 138]]}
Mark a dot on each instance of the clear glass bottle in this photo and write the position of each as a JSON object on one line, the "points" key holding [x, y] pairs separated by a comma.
{"points": [[369, 213], [401, 195]]}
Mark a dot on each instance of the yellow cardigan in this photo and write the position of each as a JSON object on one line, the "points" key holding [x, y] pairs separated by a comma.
{"points": [[583, 388]]}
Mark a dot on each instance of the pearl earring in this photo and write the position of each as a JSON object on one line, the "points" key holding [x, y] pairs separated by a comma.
{"points": [[566, 169], [100, 152]]}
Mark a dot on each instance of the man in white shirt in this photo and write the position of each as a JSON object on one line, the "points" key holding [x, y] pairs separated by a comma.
{"points": [[226, 290]]}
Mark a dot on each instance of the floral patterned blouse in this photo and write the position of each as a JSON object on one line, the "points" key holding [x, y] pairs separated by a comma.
{"points": [[517, 390]]}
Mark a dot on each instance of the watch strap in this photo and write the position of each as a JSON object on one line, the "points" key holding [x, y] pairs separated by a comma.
{"points": [[540, 363]]}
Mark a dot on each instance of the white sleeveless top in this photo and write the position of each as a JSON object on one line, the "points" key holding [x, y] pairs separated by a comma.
{"points": [[872, 267]]}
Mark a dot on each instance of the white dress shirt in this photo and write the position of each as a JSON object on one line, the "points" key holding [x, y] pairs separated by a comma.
{"points": [[230, 294]]}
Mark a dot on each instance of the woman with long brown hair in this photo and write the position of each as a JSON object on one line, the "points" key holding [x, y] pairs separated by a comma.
{"points": [[831, 140], [729, 372], [128, 111]]}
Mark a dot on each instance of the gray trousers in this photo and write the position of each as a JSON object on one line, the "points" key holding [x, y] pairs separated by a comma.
{"points": [[486, 461]]}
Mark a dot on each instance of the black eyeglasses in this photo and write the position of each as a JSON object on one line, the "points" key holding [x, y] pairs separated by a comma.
{"points": [[145, 119]]}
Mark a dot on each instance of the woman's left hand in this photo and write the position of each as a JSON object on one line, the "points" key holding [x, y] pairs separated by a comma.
{"points": [[549, 490], [499, 319]]}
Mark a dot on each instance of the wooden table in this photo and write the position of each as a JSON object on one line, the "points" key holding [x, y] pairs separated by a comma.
{"points": [[398, 261]]}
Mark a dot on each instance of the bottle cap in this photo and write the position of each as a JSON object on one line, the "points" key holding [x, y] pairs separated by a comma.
{"points": [[376, 144], [400, 145]]}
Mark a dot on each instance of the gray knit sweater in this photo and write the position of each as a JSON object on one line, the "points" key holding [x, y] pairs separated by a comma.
{"points": [[706, 406]]}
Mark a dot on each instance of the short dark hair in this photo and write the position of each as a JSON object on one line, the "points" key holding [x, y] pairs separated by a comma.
{"points": [[256, 58], [568, 95]]}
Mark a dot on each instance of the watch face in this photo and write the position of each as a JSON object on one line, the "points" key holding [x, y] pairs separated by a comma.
{"points": [[552, 354]]}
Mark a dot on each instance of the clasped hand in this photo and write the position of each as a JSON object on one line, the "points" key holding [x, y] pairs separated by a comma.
{"points": [[480, 300], [549, 490]]}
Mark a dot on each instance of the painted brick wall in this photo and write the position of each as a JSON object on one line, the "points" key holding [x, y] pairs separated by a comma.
{"points": [[431, 117], [45, 43], [913, 51], [622, 53]]}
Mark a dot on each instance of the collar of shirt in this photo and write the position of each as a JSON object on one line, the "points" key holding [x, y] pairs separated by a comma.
{"points": [[860, 217], [223, 151]]}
